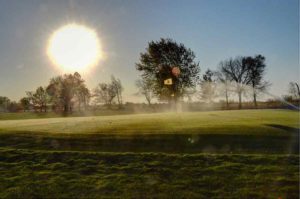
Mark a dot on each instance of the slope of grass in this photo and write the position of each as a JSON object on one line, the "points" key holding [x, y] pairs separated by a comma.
{"points": [[217, 122], [251, 131]]}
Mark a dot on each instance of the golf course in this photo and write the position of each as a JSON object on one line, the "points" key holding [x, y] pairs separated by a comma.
{"points": [[213, 154]]}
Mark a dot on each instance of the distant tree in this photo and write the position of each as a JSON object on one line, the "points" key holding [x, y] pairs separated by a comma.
{"points": [[237, 71], [4, 104], [83, 96], [224, 85], [105, 93], [145, 88], [118, 89], [294, 90], [189, 93], [256, 69], [54, 90], [208, 86], [162, 62], [39, 98], [64, 89], [14, 107], [101, 93], [25, 103]]}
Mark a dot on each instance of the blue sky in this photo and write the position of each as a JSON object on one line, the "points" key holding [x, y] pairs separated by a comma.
{"points": [[214, 30]]}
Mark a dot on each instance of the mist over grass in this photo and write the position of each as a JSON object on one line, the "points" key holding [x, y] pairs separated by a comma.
{"points": [[211, 122]]}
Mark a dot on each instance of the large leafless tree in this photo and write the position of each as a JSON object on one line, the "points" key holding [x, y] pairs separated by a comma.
{"points": [[237, 71]]}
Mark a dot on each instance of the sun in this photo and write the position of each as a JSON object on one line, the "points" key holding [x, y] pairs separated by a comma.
{"points": [[74, 47]]}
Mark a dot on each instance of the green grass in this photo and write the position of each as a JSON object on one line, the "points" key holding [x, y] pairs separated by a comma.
{"points": [[214, 122], [39, 115], [217, 154], [247, 131], [37, 174]]}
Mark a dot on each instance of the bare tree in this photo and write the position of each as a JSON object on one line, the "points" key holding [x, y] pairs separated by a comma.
{"points": [[145, 88], [208, 86], [118, 89], [105, 93], [237, 71], [294, 90], [224, 85]]}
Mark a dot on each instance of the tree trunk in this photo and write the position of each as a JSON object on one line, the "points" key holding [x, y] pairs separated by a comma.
{"points": [[119, 97], [149, 102], [79, 105], [254, 99], [66, 107], [85, 103], [226, 96], [240, 99], [298, 89], [171, 102]]}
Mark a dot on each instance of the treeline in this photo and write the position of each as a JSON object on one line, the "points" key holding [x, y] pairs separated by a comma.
{"points": [[66, 93], [169, 73], [242, 75]]}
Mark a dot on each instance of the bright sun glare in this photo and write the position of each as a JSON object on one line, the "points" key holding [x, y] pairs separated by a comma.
{"points": [[74, 48]]}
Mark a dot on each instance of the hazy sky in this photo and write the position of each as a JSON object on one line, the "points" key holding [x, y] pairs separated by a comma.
{"points": [[214, 29]]}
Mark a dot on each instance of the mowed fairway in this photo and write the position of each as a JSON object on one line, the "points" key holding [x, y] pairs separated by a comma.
{"points": [[223, 154], [213, 122]]}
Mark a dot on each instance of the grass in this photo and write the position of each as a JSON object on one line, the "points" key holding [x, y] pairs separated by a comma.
{"points": [[36, 174], [251, 122], [39, 115], [217, 154]]}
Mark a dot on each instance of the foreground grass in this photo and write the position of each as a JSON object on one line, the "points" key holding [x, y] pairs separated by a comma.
{"points": [[46, 174]]}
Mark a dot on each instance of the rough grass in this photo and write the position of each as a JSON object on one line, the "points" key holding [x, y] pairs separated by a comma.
{"points": [[39, 174], [219, 154]]}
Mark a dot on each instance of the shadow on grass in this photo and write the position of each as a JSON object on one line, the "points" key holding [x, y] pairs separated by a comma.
{"points": [[169, 143], [285, 128]]}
